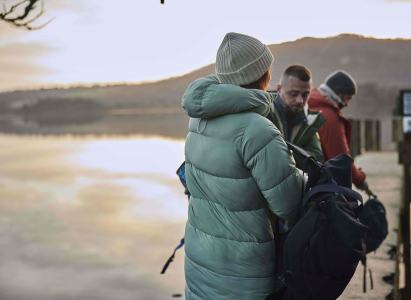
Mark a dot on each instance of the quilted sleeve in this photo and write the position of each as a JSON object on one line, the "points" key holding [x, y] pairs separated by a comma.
{"points": [[273, 168]]}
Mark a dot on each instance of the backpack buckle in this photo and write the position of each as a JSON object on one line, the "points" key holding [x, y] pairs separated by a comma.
{"points": [[322, 205], [285, 279]]}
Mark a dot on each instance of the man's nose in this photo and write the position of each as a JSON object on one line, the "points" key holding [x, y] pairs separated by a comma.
{"points": [[300, 99]]}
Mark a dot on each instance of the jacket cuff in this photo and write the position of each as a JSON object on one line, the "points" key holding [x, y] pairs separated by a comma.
{"points": [[358, 176]]}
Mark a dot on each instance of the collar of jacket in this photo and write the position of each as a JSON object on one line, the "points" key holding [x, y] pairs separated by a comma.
{"points": [[310, 115], [285, 112], [317, 99], [330, 95], [302, 131], [207, 97], [318, 102]]}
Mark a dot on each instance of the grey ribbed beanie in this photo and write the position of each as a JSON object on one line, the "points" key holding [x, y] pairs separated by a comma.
{"points": [[242, 59]]}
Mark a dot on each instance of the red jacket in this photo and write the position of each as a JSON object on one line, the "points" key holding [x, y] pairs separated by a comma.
{"points": [[335, 134]]}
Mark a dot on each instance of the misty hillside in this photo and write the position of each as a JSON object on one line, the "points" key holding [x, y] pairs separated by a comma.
{"points": [[382, 61], [380, 66]]}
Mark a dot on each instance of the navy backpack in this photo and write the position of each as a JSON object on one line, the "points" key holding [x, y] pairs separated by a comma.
{"points": [[322, 251]]}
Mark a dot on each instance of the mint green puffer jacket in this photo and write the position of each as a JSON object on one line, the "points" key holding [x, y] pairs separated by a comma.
{"points": [[239, 171]]}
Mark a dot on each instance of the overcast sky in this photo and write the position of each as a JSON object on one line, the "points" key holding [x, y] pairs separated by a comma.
{"points": [[93, 41]]}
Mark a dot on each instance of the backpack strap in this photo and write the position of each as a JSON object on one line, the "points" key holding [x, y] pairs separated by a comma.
{"points": [[335, 189], [172, 257], [310, 166], [181, 172], [371, 281]]}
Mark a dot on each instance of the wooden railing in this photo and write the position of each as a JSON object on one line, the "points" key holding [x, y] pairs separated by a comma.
{"points": [[365, 136]]}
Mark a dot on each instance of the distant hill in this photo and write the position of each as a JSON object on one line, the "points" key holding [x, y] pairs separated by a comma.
{"points": [[380, 67]]}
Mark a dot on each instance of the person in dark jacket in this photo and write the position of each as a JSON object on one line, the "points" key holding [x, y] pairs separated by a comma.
{"points": [[331, 97], [240, 175], [290, 113]]}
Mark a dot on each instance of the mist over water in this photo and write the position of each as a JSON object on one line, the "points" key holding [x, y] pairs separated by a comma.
{"points": [[90, 218]]}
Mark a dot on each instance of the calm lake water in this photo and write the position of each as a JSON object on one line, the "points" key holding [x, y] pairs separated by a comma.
{"points": [[90, 218]]}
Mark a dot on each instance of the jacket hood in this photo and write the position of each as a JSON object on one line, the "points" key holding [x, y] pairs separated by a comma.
{"points": [[317, 100], [207, 97]]}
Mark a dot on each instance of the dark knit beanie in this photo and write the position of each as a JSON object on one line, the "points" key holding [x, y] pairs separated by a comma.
{"points": [[341, 83]]}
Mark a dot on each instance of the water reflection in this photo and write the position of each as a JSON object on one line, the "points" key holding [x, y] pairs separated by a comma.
{"points": [[90, 219], [171, 125], [133, 156]]}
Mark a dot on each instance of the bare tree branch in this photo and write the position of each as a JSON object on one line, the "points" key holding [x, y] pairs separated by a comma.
{"points": [[12, 9], [23, 21]]}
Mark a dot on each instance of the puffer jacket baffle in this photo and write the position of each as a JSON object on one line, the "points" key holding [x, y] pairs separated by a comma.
{"points": [[239, 171]]}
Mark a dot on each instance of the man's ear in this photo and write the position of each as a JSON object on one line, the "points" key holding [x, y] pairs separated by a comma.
{"points": [[278, 88]]}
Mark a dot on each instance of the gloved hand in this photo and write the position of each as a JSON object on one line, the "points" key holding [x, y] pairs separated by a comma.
{"points": [[364, 187]]}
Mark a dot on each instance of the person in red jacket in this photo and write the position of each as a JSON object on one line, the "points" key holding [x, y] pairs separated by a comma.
{"points": [[330, 98]]}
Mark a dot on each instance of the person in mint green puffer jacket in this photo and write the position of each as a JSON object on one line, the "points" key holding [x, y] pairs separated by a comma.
{"points": [[240, 174]]}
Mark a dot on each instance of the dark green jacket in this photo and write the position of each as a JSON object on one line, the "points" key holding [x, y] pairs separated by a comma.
{"points": [[305, 134], [240, 173]]}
